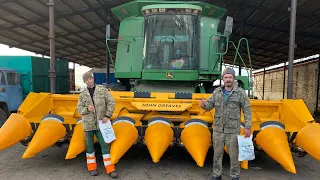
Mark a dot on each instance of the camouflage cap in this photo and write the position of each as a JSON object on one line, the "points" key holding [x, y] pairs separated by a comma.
{"points": [[86, 76], [228, 71]]}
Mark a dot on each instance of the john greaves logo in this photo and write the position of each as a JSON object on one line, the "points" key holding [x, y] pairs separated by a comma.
{"points": [[162, 105]]}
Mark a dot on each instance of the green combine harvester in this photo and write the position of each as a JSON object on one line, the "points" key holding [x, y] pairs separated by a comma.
{"points": [[172, 46]]}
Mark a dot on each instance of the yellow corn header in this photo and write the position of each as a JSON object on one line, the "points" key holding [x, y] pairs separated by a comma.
{"points": [[160, 120]]}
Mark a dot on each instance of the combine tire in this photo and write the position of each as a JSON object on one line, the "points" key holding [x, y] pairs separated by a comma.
{"points": [[3, 117]]}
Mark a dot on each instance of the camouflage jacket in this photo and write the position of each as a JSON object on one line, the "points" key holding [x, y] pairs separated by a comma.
{"points": [[227, 114], [104, 106]]}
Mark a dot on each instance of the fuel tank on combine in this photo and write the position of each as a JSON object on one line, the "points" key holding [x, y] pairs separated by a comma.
{"points": [[160, 120]]}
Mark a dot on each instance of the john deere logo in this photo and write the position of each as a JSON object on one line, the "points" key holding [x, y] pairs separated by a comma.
{"points": [[169, 75]]}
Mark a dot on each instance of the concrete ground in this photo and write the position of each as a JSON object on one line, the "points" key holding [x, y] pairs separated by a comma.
{"points": [[176, 164]]}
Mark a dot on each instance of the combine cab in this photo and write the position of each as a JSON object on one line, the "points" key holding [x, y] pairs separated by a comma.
{"points": [[172, 46], [168, 56]]}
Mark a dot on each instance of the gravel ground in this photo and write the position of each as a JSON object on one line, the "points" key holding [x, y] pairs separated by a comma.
{"points": [[176, 164]]}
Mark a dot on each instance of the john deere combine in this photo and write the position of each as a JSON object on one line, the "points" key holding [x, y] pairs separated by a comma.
{"points": [[168, 56]]}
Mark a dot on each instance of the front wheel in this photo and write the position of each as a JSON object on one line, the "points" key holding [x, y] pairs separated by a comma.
{"points": [[3, 117]]}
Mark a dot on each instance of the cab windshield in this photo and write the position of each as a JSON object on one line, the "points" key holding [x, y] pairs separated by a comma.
{"points": [[171, 42]]}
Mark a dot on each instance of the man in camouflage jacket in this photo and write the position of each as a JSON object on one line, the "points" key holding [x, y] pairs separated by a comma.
{"points": [[228, 101], [95, 104]]}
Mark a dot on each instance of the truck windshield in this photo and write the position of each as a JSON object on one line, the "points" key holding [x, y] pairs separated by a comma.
{"points": [[171, 42]]}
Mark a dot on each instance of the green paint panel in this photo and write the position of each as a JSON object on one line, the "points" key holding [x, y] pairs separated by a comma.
{"points": [[40, 83], [62, 84], [245, 81], [40, 66], [134, 75], [129, 57], [177, 75], [34, 73], [219, 12], [127, 10], [62, 68], [209, 61], [132, 27], [211, 72]]}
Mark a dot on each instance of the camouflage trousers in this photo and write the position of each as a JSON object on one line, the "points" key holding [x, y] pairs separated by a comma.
{"points": [[231, 142]]}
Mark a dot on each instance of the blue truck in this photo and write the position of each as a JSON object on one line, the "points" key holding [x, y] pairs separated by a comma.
{"points": [[20, 75], [11, 95]]}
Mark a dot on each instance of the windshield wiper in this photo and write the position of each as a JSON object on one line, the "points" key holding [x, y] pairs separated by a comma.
{"points": [[180, 22], [177, 18]]}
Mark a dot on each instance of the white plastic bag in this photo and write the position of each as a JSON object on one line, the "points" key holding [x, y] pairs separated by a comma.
{"points": [[107, 131], [246, 148]]}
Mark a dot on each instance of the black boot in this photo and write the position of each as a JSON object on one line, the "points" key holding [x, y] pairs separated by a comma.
{"points": [[216, 178], [114, 174], [93, 173], [235, 178]]}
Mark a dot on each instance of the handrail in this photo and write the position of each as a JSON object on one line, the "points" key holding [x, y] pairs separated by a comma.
{"points": [[249, 57], [210, 39], [217, 52]]}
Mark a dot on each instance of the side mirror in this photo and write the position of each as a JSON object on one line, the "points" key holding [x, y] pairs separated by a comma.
{"points": [[229, 26], [108, 31]]}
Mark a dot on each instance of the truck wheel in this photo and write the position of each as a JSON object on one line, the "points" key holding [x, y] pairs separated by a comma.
{"points": [[3, 117]]}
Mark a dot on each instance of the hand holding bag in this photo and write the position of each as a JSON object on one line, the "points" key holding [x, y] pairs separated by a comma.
{"points": [[107, 131], [246, 148]]}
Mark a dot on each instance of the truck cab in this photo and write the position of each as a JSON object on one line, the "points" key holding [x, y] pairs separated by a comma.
{"points": [[10, 93]]}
